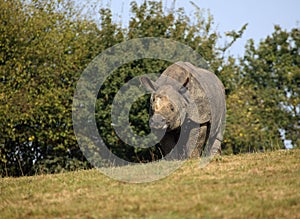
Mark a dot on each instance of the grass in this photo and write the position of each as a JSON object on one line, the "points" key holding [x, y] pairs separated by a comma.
{"points": [[262, 185]]}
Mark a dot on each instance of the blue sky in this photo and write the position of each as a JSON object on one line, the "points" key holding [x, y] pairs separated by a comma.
{"points": [[261, 15]]}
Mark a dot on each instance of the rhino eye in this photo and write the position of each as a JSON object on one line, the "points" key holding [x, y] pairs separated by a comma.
{"points": [[172, 108]]}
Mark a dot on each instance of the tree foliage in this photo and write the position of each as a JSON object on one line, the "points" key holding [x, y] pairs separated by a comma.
{"points": [[274, 68], [263, 110], [45, 46], [43, 51]]}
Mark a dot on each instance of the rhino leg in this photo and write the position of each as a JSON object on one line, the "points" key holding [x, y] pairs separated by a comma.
{"points": [[180, 140], [216, 148], [168, 143], [190, 144], [197, 143], [193, 138]]}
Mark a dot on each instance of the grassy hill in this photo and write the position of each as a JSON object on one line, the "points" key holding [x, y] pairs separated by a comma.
{"points": [[262, 185]]}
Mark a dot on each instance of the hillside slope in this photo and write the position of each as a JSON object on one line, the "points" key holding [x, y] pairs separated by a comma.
{"points": [[262, 185]]}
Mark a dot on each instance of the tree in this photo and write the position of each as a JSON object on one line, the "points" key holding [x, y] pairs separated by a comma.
{"points": [[274, 68], [43, 51], [264, 108]]}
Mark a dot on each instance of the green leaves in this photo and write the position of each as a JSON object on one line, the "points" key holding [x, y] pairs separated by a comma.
{"points": [[270, 75], [41, 49]]}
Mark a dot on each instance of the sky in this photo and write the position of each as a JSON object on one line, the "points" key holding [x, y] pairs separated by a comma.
{"points": [[261, 16]]}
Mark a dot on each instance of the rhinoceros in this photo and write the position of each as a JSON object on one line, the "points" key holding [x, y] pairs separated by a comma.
{"points": [[188, 104]]}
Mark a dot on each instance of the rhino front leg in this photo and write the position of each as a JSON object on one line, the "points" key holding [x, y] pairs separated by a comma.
{"points": [[193, 139], [197, 143], [168, 143], [174, 145]]}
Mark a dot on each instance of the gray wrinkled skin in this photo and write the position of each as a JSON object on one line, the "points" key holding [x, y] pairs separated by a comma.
{"points": [[190, 102]]}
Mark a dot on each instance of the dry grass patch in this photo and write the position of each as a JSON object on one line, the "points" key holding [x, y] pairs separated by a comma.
{"points": [[262, 185]]}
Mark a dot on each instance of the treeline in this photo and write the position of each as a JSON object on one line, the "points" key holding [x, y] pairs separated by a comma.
{"points": [[46, 45]]}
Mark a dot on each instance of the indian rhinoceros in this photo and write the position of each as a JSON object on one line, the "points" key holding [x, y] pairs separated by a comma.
{"points": [[188, 103]]}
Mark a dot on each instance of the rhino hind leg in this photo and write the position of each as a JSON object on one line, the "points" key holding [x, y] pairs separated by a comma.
{"points": [[215, 148]]}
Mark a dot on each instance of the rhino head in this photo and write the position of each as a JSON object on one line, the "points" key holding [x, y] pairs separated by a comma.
{"points": [[168, 104]]}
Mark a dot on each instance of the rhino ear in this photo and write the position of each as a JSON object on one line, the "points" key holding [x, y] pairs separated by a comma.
{"points": [[148, 84]]}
